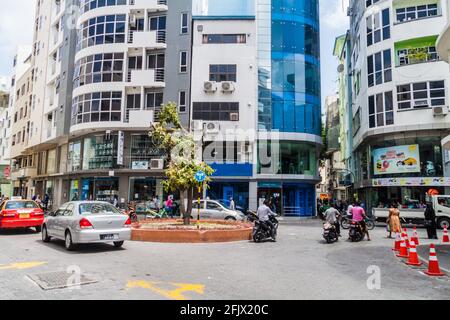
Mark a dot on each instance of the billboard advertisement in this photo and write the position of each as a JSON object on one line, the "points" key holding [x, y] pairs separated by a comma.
{"points": [[398, 159]]}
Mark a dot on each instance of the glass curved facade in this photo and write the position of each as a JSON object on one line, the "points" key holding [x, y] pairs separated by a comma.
{"points": [[87, 5], [289, 68]]}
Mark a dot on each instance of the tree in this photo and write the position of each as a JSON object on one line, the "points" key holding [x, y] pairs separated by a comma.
{"points": [[180, 148]]}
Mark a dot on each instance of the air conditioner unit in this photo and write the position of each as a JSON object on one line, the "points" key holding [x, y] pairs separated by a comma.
{"points": [[210, 86], [133, 20], [234, 116], [197, 125], [227, 86], [440, 111], [157, 164], [212, 127]]}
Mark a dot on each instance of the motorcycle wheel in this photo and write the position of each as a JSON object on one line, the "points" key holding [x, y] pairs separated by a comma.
{"points": [[370, 224], [332, 237], [345, 224]]}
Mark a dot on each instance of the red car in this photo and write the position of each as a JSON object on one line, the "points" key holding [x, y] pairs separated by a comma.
{"points": [[21, 214]]}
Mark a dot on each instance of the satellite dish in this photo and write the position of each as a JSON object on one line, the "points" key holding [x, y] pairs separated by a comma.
{"points": [[340, 68]]}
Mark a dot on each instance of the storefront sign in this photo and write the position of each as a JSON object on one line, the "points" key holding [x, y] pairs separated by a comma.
{"points": [[6, 172], [398, 159], [120, 147], [139, 165], [412, 182]]}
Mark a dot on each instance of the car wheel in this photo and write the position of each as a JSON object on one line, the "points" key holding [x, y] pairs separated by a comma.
{"points": [[230, 219], [444, 222], [118, 244], [45, 237], [68, 242], [38, 229]]}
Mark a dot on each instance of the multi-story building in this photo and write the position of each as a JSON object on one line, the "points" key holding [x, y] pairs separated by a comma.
{"points": [[4, 131], [443, 48], [256, 87], [399, 100]]}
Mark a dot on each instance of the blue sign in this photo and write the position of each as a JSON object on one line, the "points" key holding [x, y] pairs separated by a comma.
{"points": [[200, 176]]}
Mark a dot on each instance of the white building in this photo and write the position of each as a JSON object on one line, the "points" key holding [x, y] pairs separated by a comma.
{"points": [[400, 89]]}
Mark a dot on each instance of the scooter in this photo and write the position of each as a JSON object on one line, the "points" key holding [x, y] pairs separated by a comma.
{"points": [[356, 233], [330, 233]]}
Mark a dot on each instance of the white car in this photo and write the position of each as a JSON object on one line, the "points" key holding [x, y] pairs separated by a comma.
{"points": [[211, 209], [87, 222]]}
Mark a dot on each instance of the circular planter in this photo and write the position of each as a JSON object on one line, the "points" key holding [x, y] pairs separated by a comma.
{"points": [[231, 231]]}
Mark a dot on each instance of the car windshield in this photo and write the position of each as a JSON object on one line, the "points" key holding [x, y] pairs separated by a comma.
{"points": [[20, 205], [98, 208]]}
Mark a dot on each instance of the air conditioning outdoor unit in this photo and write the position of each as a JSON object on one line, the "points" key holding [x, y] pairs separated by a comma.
{"points": [[157, 164], [212, 127], [234, 116], [440, 111], [210, 86], [132, 20], [227, 86]]}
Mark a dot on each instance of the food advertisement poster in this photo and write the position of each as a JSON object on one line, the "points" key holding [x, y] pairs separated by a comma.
{"points": [[398, 159]]}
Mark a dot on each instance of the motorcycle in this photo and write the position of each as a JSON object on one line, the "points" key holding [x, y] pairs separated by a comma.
{"points": [[346, 222], [262, 233], [356, 233], [329, 233]]}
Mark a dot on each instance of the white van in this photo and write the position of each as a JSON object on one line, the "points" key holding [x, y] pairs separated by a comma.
{"points": [[441, 205]]}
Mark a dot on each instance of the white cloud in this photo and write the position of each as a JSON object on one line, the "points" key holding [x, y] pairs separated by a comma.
{"points": [[334, 13], [16, 28]]}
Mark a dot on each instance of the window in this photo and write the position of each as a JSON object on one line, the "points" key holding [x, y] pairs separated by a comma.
{"points": [[379, 68], [222, 72], [381, 110], [182, 101], [183, 61], [87, 5], [356, 122], [224, 38], [107, 67], [216, 111], [133, 103], [417, 55], [153, 100], [100, 152], [184, 23], [74, 156], [417, 12], [371, 2], [378, 27], [102, 30], [97, 106], [421, 95]]}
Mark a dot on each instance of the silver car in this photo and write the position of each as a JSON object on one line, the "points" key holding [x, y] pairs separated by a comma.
{"points": [[87, 222], [211, 209]]}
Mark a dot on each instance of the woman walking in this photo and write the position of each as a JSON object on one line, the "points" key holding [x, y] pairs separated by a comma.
{"points": [[394, 220]]}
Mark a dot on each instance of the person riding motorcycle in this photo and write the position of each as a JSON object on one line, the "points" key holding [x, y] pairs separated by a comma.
{"points": [[264, 213], [359, 215], [332, 217]]}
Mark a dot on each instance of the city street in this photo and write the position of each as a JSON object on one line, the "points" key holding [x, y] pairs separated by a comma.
{"points": [[299, 266]]}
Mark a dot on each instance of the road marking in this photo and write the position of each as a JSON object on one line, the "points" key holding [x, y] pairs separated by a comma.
{"points": [[22, 265], [175, 294]]}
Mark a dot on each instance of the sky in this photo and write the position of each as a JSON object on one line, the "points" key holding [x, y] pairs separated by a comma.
{"points": [[17, 19]]}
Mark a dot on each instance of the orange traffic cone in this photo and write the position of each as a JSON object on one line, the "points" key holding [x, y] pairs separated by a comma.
{"points": [[445, 238], [433, 264], [415, 236], [403, 253], [406, 238], [413, 257], [398, 241]]}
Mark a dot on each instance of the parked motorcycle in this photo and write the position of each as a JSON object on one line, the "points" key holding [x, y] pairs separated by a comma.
{"points": [[330, 233], [262, 233], [356, 233]]}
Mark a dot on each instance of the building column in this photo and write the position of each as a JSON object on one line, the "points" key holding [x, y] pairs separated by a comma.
{"points": [[253, 196]]}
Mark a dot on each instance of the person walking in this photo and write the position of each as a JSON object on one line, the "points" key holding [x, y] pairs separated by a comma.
{"points": [[430, 222], [232, 204], [393, 220], [169, 205]]}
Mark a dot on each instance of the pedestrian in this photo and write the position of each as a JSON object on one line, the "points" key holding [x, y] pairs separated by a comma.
{"points": [[232, 204], [45, 201], [169, 205], [393, 221], [116, 201], [430, 222]]}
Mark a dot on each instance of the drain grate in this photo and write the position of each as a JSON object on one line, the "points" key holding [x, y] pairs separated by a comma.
{"points": [[60, 279]]}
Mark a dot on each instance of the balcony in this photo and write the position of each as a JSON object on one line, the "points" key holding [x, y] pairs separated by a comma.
{"points": [[159, 5], [148, 39], [18, 173], [146, 78]]}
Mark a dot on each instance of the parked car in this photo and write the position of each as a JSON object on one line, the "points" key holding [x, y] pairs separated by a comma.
{"points": [[87, 222], [21, 214], [211, 209]]}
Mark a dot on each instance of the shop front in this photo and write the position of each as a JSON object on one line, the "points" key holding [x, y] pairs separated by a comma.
{"points": [[100, 189], [224, 191]]}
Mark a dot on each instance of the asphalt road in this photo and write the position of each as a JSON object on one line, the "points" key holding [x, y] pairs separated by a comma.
{"points": [[299, 266]]}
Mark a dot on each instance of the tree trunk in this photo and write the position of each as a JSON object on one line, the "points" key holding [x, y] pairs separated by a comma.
{"points": [[188, 213], [183, 208]]}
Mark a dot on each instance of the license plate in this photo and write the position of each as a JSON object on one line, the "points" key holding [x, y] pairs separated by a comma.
{"points": [[109, 236], [23, 211], [24, 216]]}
